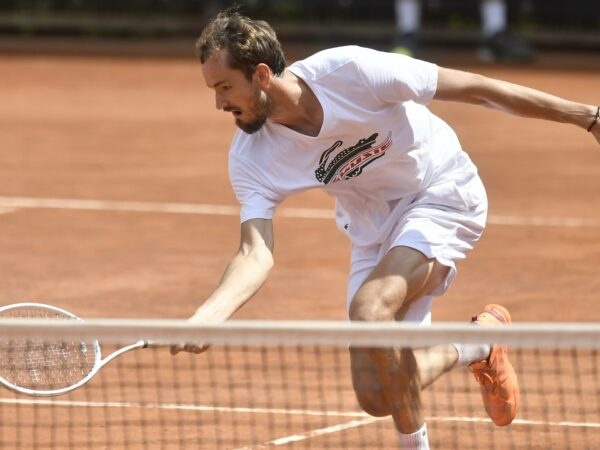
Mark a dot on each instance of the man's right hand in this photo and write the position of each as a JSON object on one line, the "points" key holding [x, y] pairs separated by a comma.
{"points": [[191, 348], [196, 348], [244, 275]]}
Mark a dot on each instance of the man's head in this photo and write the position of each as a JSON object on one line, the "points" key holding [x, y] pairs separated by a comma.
{"points": [[239, 56]]}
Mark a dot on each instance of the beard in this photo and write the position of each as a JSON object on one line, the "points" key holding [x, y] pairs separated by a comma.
{"points": [[262, 107]]}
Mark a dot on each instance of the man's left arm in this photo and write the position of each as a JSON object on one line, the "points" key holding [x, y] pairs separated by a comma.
{"points": [[466, 87]]}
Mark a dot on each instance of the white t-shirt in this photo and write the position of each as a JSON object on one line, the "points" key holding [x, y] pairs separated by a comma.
{"points": [[378, 147]]}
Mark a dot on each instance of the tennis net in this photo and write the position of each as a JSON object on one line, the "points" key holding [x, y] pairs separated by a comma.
{"points": [[288, 385]]}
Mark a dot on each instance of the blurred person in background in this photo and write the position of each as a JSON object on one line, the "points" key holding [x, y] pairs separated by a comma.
{"points": [[498, 43]]}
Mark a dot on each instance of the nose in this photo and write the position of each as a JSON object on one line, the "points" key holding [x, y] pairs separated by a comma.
{"points": [[218, 101]]}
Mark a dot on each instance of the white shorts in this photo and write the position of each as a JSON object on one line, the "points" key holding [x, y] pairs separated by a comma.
{"points": [[443, 222]]}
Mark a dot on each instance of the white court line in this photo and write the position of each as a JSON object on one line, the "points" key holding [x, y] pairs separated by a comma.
{"points": [[126, 206], [229, 210], [562, 423], [297, 412], [362, 419], [368, 420], [536, 221], [180, 407], [313, 433]]}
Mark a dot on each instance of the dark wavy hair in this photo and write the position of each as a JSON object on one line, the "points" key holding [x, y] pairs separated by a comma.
{"points": [[248, 42]]}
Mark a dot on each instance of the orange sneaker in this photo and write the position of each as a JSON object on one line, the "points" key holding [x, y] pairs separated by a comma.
{"points": [[499, 386]]}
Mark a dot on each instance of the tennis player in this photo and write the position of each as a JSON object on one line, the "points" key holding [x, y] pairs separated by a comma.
{"points": [[354, 122]]}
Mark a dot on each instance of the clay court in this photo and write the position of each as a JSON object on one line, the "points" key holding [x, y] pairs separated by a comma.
{"points": [[115, 201]]}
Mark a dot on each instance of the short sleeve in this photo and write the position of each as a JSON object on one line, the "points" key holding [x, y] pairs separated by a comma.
{"points": [[256, 200], [397, 78]]}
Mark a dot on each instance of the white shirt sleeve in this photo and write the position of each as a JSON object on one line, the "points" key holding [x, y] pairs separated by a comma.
{"points": [[397, 78], [256, 200]]}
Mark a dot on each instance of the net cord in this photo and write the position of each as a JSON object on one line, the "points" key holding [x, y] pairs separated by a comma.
{"points": [[334, 333]]}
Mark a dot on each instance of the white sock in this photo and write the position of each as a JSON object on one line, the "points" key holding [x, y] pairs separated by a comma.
{"points": [[415, 441], [408, 16], [493, 16], [469, 353]]}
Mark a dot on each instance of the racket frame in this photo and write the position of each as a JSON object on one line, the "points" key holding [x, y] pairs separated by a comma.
{"points": [[98, 361]]}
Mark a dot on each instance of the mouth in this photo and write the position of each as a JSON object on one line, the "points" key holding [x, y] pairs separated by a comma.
{"points": [[234, 111]]}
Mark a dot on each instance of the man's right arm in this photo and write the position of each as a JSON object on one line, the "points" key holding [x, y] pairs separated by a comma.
{"points": [[243, 277]]}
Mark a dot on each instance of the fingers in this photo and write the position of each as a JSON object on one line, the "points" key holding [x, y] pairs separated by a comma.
{"points": [[186, 347], [198, 350]]}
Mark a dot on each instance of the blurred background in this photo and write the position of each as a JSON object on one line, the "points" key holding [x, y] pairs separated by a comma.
{"points": [[166, 26]]}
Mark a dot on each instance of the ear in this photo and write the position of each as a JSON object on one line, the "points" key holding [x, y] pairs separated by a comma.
{"points": [[263, 75]]}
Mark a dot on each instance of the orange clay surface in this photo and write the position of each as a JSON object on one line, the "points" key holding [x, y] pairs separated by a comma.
{"points": [[142, 129]]}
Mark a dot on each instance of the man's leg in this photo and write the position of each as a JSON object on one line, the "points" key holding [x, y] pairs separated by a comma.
{"points": [[389, 381], [493, 17], [402, 277], [498, 42], [408, 24]]}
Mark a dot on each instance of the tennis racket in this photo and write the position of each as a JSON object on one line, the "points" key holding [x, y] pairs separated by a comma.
{"points": [[49, 367]]}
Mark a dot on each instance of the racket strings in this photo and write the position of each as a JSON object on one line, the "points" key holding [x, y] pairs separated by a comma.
{"points": [[44, 364]]}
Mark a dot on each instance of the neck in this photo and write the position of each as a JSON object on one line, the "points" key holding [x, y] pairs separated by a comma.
{"points": [[296, 105]]}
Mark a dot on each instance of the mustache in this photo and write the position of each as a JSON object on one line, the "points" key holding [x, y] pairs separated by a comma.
{"points": [[231, 108]]}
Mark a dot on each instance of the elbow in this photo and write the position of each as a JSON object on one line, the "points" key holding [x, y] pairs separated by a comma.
{"points": [[260, 257], [263, 262], [264, 257]]}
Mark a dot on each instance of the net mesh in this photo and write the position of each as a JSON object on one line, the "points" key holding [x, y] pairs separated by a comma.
{"points": [[44, 364], [289, 390]]}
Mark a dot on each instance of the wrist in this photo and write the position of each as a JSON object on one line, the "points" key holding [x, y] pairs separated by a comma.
{"points": [[594, 123]]}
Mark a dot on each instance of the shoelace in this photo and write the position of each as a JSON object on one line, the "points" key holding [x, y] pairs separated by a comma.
{"points": [[483, 378]]}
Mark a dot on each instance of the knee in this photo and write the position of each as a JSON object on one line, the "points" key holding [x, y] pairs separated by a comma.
{"points": [[401, 394], [379, 393], [366, 384], [374, 405]]}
